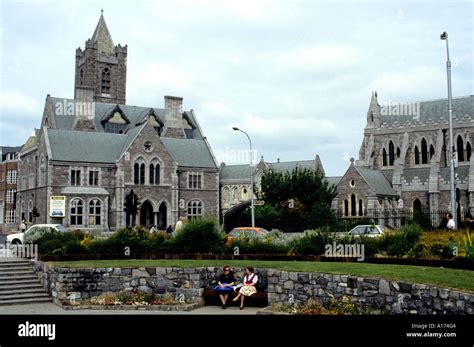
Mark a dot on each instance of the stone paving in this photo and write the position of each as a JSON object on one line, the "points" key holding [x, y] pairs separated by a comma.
{"points": [[52, 309]]}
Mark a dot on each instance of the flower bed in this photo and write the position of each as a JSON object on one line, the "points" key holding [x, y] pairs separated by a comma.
{"points": [[131, 301], [330, 307]]}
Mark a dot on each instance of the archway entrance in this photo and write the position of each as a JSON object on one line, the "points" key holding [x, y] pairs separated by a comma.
{"points": [[146, 214], [162, 220], [417, 206]]}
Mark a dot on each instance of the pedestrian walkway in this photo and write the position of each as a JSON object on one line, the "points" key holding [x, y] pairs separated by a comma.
{"points": [[51, 309]]}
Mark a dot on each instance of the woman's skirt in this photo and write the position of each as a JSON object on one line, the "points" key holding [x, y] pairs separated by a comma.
{"points": [[225, 290], [248, 290]]}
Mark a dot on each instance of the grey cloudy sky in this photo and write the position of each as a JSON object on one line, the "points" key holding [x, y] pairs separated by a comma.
{"points": [[296, 75]]}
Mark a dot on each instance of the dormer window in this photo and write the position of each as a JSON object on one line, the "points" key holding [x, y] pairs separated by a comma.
{"points": [[156, 125], [116, 124]]}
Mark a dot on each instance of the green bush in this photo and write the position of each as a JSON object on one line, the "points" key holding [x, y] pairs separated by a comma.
{"points": [[200, 235], [402, 243], [271, 244], [312, 243], [56, 243], [35, 234]]}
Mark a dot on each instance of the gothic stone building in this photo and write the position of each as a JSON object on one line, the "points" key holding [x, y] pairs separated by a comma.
{"points": [[95, 149], [235, 181], [404, 159]]}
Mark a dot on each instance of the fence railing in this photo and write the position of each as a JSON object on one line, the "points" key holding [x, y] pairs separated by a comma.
{"points": [[396, 218]]}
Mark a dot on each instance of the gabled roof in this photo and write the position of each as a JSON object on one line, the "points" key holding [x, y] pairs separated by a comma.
{"points": [[376, 181]]}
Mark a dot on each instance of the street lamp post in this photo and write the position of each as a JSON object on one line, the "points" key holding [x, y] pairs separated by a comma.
{"points": [[444, 36], [252, 207]]}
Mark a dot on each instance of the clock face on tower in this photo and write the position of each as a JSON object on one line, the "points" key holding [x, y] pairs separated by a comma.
{"points": [[147, 146]]}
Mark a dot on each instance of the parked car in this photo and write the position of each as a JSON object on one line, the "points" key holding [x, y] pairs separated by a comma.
{"points": [[368, 230], [18, 238], [253, 232]]}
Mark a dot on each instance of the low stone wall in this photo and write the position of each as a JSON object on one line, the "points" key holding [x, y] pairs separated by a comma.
{"points": [[284, 287]]}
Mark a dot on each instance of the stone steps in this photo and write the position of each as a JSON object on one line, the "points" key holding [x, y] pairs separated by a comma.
{"points": [[15, 286], [25, 301], [7, 293], [13, 272], [19, 284]]}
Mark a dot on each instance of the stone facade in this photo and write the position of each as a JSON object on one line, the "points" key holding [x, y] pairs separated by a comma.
{"points": [[95, 150], [404, 157], [284, 287]]}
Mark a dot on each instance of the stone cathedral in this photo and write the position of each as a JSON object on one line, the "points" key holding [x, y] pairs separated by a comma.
{"points": [[404, 159]]}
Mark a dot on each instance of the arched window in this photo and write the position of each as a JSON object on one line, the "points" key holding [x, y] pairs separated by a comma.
{"points": [[468, 151], [384, 157], [235, 194], [417, 155], [398, 152], [151, 174], [136, 173], [94, 212], [142, 173], [424, 151], [391, 153], [432, 152], [154, 173], [194, 209], [76, 212], [81, 77], [361, 209], [346, 208], [460, 148], [105, 85], [353, 205], [244, 194]]}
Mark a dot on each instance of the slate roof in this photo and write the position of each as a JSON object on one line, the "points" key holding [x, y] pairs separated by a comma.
{"points": [[233, 172], [288, 166], [435, 110], [334, 180], [99, 147], [187, 152], [84, 146], [377, 181]]}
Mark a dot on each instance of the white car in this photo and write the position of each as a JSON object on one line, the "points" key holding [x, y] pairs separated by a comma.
{"points": [[367, 230], [19, 237]]}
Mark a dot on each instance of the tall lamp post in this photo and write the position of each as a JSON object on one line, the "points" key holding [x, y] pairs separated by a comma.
{"points": [[252, 207], [444, 36]]}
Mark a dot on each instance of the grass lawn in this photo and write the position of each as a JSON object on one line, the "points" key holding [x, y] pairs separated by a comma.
{"points": [[440, 277]]}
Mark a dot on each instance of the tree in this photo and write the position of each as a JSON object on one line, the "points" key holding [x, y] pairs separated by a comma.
{"points": [[301, 197]]}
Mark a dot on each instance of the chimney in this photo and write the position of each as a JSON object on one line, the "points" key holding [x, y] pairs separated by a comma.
{"points": [[174, 117]]}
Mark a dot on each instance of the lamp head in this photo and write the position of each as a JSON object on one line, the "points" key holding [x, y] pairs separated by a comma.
{"points": [[235, 128], [443, 36]]}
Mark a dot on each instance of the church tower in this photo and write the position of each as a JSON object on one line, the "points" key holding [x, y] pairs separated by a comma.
{"points": [[101, 68]]}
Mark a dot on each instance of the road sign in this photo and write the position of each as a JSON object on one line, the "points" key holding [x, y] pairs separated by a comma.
{"points": [[259, 202]]}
